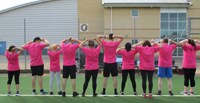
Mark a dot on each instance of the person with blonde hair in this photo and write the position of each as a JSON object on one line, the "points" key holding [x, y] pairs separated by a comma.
{"points": [[54, 52]]}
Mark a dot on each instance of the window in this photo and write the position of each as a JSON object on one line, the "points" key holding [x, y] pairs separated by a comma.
{"points": [[135, 13], [173, 26]]}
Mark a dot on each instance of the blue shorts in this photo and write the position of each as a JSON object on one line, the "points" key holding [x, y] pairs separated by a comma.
{"points": [[164, 72]]}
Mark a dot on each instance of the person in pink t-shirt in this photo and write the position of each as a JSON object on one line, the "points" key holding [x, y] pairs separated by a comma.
{"points": [[189, 64], [110, 65], [165, 63], [37, 66], [92, 63], [146, 66], [69, 63], [54, 52], [128, 66], [12, 54]]}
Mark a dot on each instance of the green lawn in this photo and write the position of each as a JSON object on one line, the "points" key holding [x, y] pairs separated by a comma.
{"points": [[25, 88]]}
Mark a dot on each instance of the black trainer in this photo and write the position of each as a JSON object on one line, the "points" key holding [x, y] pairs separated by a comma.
{"points": [[170, 93], [63, 94], [95, 94], [83, 94], [51, 93], [159, 93], [115, 93], [135, 93], [60, 93], [122, 93], [75, 94], [103, 93]]}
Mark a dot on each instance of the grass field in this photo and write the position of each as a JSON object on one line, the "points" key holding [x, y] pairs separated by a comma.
{"points": [[25, 89]]}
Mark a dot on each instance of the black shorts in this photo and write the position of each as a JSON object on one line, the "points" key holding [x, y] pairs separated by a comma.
{"points": [[37, 70], [110, 68], [69, 71]]}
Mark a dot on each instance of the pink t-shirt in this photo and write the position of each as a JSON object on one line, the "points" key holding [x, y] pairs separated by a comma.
{"points": [[35, 52], [165, 55], [13, 61], [92, 57], [54, 60], [127, 59], [110, 51], [189, 56], [147, 57], [69, 53]]}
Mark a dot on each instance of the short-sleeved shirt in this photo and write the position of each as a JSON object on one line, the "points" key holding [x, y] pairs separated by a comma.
{"points": [[35, 52], [92, 57], [147, 56], [69, 53], [127, 59], [110, 51], [165, 55], [13, 61], [189, 56], [54, 60]]}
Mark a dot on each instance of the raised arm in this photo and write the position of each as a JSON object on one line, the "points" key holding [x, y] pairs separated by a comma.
{"points": [[64, 41], [98, 42], [100, 37], [76, 40], [173, 42], [81, 44], [138, 44], [120, 37], [19, 50], [181, 43], [197, 41], [27, 44], [45, 41], [118, 49]]}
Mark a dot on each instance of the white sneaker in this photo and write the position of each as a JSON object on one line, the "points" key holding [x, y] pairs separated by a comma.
{"points": [[184, 93], [9, 93], [17, 93]]}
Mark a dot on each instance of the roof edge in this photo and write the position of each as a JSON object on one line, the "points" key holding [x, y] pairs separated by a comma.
{"points": [[24, 5]]}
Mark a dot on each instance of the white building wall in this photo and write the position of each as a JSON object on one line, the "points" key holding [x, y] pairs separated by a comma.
{"points": [[53, 20]]}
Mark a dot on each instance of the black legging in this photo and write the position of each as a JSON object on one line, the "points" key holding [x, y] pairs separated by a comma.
{"points": [[88, 74], [11, 74], [144, 74], [124, 78], [189, 75]]}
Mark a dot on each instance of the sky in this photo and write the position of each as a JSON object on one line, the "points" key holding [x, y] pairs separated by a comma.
{"points": [[4, 4]]}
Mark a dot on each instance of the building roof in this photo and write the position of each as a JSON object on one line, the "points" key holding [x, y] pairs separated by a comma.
{"points": [[146, 3], [24, 5]]}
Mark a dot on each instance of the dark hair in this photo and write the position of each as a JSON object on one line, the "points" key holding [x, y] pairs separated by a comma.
{"points": [[110, 36], [128, 46], [165, 40], [91, 43], [36, 39], [10, 48], [146, 43], [190, 41]]}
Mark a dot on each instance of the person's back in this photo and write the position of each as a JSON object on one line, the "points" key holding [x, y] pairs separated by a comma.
{"points": [[189, 56], [165, 55], [127, 58], [69, 53], [54, 60], [35, 52], [147, 57], [110, 48], [13, 61], [92, 55]]}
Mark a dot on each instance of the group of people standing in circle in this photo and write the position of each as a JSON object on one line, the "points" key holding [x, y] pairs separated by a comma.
{"points": [[110, 44]]}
